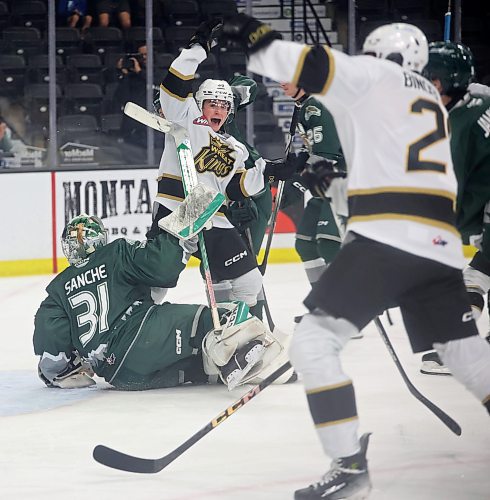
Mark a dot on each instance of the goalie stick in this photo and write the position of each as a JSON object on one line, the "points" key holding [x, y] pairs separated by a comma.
{"points": [[189, 180], [118, 460], [444, 417]]}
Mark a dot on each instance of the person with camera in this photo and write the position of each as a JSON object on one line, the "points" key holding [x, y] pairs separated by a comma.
{"points": [[131, 76]]}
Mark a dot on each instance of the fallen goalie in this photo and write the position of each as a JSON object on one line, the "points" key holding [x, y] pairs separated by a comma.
{"points": [[99, 318]]}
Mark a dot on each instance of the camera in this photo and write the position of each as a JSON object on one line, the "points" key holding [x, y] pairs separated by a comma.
{"points": [[127, 60]]}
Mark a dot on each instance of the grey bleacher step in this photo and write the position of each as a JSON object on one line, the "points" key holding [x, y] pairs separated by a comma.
{"points": [[274, 12], [267, 3], [285, 24]]}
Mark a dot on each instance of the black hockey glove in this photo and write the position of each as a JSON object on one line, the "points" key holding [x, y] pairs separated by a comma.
{"points": [[319, 174], [242, 213], [281, 170], [207, 34], [249, 33]]}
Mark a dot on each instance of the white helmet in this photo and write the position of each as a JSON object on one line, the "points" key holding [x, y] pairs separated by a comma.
{"points": [[214, 89], [402, 43]]}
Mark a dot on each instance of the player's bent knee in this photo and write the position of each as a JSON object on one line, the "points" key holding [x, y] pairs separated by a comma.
{"points": [[318, 338], [247, 286], [469, 361]]}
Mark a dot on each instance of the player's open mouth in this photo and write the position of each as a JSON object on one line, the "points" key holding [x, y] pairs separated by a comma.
{"points": [[216, 121]]}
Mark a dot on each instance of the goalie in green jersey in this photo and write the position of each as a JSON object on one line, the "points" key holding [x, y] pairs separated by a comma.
{"points": [[451, 69], [99, 318]]}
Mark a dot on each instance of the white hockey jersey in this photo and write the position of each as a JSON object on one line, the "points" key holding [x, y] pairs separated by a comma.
{"points": [[394, 133], [219, 158]]}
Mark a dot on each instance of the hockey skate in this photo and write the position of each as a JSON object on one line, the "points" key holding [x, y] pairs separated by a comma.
{"points": [[194, 214], [432, 365], [348, 478], [242, 362]]}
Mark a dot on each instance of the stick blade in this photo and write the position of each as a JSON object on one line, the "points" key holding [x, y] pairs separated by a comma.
{"points": [[149, 119], [129, 463]]}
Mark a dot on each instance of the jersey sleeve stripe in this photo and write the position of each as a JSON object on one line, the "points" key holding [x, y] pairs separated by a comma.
{"points": [[177, 87], [236, 189], [316, 69], [179, 75]]}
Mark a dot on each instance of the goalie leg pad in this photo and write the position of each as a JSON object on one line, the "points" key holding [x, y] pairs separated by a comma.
{"points": [[194, 214], [220, 347], [276, 354]]}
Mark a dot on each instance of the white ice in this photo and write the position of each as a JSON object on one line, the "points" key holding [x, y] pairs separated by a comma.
{"points": [[265, 451]]}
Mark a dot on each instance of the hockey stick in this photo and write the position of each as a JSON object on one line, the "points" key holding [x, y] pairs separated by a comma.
{"points": [[272, 325], [189, 180], [117, 460], [280, 191], [444, 417]]}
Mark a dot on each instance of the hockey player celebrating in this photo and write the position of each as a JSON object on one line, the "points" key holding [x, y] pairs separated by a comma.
{"points": [[220, 163], [99, 317], [451, 70], [401, 247], [318, 237]]}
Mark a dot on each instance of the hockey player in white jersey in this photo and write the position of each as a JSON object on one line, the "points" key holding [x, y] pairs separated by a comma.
{"points": [[220, 163], [401, 247]]}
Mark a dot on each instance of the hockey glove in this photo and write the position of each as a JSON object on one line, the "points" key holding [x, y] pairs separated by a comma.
{"points": [[249, 33], [281, 170], [207, 34], [319, 174], [243, 213]]}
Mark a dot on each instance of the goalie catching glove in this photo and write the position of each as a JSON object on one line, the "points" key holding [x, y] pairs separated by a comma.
{"points": [[241, 353], [319, 175]]}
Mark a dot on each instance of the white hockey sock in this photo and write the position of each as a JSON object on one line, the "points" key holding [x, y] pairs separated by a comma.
{"points": [[314, 353], [314, 269], [469, 362]]}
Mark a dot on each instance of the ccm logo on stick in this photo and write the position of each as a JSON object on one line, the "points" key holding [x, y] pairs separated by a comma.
{"points": [[235, 258]]}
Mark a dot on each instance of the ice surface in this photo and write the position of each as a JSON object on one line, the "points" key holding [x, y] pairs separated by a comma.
{"points": [[265, 451]]}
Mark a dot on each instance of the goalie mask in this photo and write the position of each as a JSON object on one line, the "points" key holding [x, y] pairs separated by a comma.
{"points": [[216, 90], [402, 43], [451, 64], [81, 237]]}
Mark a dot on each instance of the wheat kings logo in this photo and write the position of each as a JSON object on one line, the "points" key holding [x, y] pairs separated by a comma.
{"points": [[216, 158]]}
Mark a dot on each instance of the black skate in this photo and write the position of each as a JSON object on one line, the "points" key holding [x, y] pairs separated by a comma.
{"points": [[432, 365], [348, 477], [242, 362]]}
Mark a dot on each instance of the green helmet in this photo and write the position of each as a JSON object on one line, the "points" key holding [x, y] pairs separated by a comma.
{"points": [[81, 236], [452, 64]]}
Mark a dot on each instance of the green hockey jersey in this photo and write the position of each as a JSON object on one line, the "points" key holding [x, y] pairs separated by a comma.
{"points": [[98, 306], [470, 148]]}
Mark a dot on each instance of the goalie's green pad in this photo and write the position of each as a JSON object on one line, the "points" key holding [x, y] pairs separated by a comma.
{"points": [[194, 213]]}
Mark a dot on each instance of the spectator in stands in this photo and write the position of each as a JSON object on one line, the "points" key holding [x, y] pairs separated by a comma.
{"points": [[77, 13], [5, 134], [108, 8], [132, 87]]}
